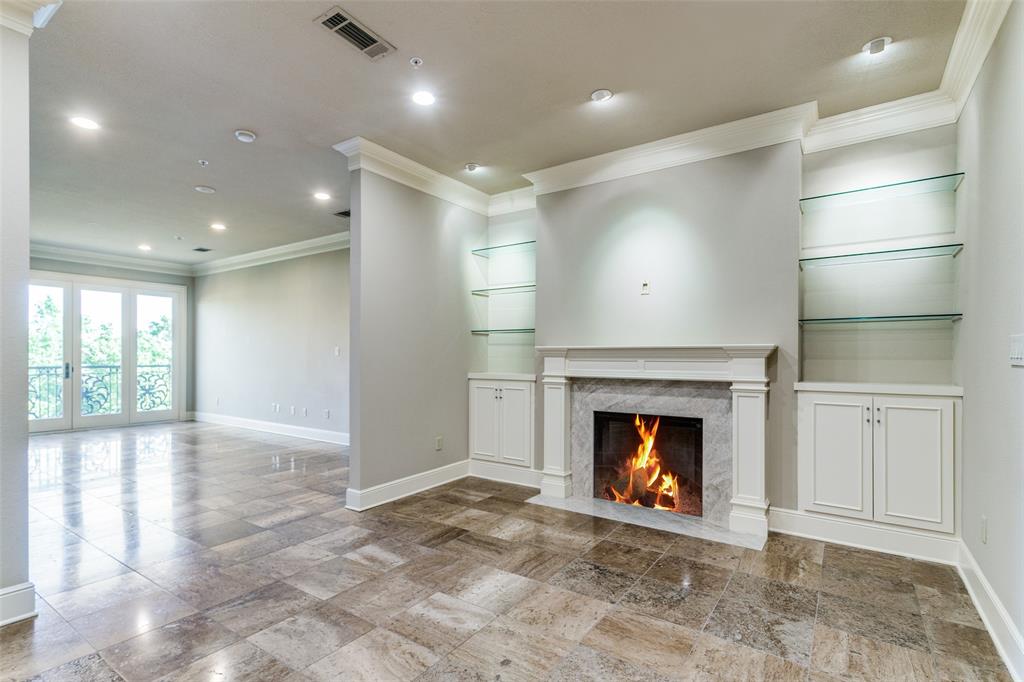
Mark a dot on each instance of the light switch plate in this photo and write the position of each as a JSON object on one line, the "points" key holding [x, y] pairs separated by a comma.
{"points": [[1017, 350]]}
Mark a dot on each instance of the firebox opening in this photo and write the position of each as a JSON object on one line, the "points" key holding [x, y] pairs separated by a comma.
{"points": [[649, 461]]}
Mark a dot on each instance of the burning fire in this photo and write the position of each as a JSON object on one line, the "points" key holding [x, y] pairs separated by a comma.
{"points": [[641, 480]]}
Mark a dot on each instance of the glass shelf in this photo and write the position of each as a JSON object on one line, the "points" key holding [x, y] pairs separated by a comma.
{"points": [[952, 317], [940, 183], [518, 247], [523, 288], [876, 256], [485, 332]]}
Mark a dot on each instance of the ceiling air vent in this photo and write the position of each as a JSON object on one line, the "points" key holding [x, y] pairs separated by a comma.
{"points": [[341, 23], [202, 249], [344, 214]]}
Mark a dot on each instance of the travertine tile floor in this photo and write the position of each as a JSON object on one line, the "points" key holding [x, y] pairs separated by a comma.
{"points": [[197, 552]]}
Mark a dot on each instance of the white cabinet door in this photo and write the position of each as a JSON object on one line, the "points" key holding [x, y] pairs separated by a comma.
{"points": [[914, 461], [515, 401], [835, 453], [484, 420]]}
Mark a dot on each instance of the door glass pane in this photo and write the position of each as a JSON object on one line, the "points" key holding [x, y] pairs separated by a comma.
{"points": [[154, 340], [45, 352], [101, 352]]}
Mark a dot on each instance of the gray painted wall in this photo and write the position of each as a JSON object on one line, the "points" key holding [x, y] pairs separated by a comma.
{"points": [[991, 151], [718, 242], [411, 315], [267, 334], [14, 229], [51, 265]]}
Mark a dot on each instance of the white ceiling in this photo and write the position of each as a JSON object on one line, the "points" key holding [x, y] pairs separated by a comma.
{"points": [[170, 81]]}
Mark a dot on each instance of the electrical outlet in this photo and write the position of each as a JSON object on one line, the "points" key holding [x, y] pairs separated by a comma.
{"points": [[1017, 350], [439, 443], [274, 407], [645, 288], [984, 529], [327, 414], [305, 412], [218, 401], [292, 410], [337, 351]]}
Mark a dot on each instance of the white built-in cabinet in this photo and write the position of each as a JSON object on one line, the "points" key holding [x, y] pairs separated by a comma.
{"points": [[881, 453], [501, 420]]}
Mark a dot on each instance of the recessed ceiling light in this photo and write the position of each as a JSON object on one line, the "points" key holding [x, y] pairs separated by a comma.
{"points": [[86, 123], [472, 166], [601, 95], [423, 98], [218, 226], [876, 45], [203, 162], [246, 136], [204, 189], [178, 237], [322, 196], [145, 247]]}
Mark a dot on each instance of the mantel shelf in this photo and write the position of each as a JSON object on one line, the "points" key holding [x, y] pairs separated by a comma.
{"points": [[951, 317], [523, 288], [517, 247], [940, 183], [952, 250], [486, 332]]}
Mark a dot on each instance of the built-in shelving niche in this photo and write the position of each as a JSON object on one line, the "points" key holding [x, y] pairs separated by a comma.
{"points": [[877, 298], [505, 303]]}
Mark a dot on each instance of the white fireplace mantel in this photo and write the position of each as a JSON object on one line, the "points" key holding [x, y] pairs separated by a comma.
{"points": [[744, 366]]}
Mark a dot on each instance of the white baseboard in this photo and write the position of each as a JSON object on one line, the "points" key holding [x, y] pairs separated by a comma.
{"points": [[1000, 625], [360, 500], [890, 539], [505, 473], [339, 437], [17, 602]]}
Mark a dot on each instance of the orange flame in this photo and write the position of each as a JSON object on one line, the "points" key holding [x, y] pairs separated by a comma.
{"points": [[661, 490]]}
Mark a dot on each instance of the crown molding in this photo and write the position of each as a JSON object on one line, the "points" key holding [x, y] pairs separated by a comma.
{"points": [[308, 247], [366, 155], [509, 202], [978, 29], [108, 260], [927, 110], [24, 16], [763, 130]]}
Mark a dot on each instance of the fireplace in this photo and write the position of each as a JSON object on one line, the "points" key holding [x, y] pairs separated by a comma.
{"points": [[648, 460]]}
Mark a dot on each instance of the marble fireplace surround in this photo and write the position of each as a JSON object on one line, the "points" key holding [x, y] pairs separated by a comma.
{"points": [[708, 401], [741, 369]]}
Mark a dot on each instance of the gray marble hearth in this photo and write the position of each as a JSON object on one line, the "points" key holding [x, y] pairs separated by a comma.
{"points": [[709, 401]]}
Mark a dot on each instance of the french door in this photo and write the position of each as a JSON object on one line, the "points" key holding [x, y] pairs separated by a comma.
{"points": [[104, 352]]}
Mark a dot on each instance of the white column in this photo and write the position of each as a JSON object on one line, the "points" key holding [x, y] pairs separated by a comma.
{"points": [[17, 595], [556, 480], [749, 421]]}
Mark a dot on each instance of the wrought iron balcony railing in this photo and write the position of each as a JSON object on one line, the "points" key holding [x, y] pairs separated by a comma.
{"points": [[101, 390]]}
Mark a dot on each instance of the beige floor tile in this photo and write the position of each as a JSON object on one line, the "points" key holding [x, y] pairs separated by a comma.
{"points": [[440, 622], [306, 637], [559, 612], [851, 657], [376, 656], [493, 589], [666, 648], [509, 650], [715, 659]]}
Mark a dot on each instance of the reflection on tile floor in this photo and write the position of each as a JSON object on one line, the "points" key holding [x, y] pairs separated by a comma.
{"points": [[191, 551]]}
